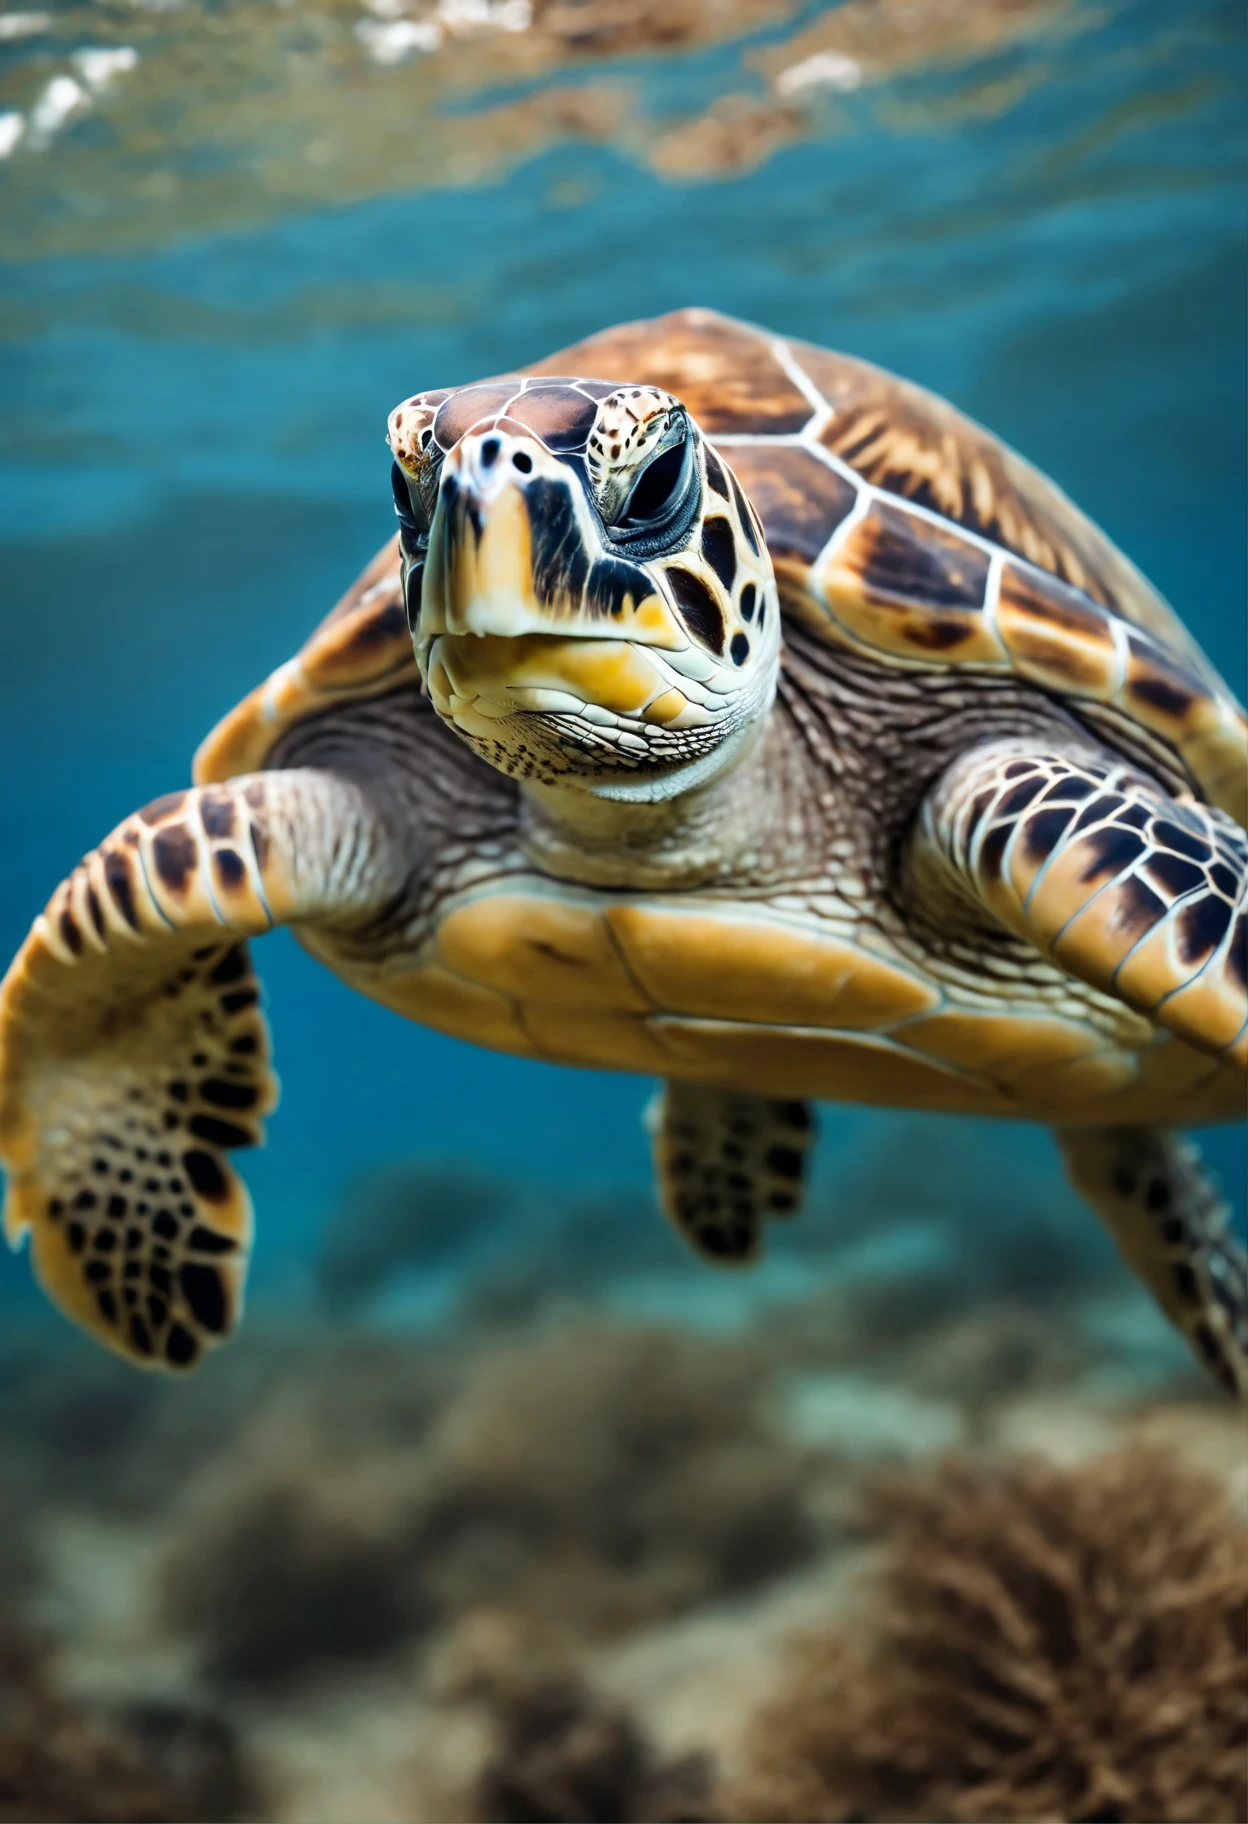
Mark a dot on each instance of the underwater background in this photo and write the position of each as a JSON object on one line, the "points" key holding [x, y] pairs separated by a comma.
{"points": [[479, 1387]]}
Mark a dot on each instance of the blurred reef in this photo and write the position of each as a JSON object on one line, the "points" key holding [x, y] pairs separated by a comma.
{"points": [[888, 1542]]}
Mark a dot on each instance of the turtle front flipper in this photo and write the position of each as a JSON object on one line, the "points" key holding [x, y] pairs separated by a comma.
{"points": [[1135, 891], [725, 1163], [1151, 1191], [134, 1056]]}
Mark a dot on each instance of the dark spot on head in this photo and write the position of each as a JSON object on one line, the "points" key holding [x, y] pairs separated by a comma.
{"points": [[796, 1114], [157, 1309], [715, 472], [238, 998], [204, 1293], [97, 1271], [85, 1200], [740, 649], [166, 1224], [107, 1305], [697, 607], [104, 1241], [95, 909], [140, 1335], [160, 1278], [70, 933], [746, 517], [749, 600], [1157, 1196], [245, 1044], [117, 1207], [719, 548]]}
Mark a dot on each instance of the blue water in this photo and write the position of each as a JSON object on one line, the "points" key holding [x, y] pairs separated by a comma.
{"points": [[1051, 234]]}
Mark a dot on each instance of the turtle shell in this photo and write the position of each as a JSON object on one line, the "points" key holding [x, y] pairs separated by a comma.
{"points": [[898, 528]]}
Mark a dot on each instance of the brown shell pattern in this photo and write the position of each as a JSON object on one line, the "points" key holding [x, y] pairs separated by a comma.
{"points": [[897, 526]]}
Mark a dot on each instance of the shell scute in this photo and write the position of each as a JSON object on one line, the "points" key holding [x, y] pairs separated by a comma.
{"points": [[724, 372], [1054, 635], [908, 442], [903, 585], [800, 500]]}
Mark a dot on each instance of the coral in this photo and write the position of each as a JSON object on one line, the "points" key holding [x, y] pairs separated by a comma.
{"points": [[150, 1764], [1045, 1643], [591, 1478], [564, 1756], [608, 1474], [290, 1581]]}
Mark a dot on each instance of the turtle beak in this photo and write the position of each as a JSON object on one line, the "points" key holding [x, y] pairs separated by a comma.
{"points": [[522, 609], [479, 576], [515, 549]]}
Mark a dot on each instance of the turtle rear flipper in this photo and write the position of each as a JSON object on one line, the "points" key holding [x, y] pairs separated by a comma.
{"points": [[726, 1163], [1155, 1197], [134, 1056]]}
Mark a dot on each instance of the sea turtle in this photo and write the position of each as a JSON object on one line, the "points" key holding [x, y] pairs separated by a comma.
{"points": [[734, 713]]}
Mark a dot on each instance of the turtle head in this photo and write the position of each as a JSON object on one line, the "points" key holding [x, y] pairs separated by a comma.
{"points": [[589, 593]]}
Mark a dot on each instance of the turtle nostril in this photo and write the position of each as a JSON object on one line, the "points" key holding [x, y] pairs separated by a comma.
{"points": [[489, 452], [522, 461]]}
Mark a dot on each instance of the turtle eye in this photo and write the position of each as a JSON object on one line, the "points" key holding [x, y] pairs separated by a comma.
{"points": [[659, 489], [412, 516]]}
